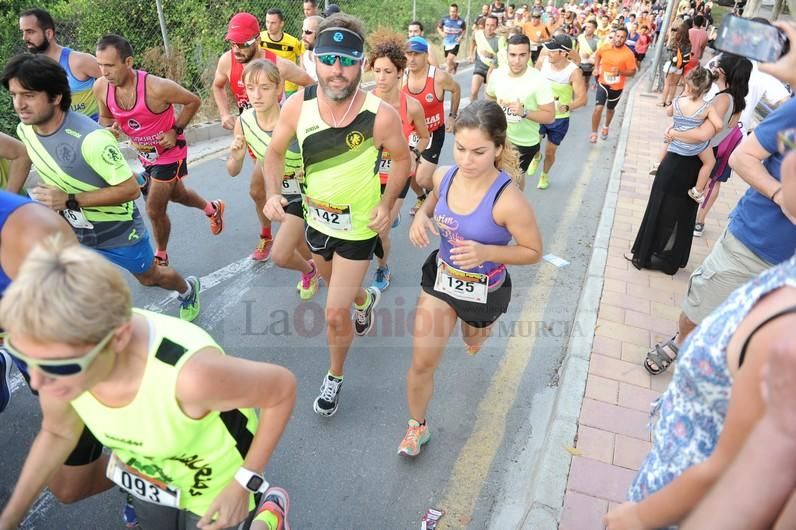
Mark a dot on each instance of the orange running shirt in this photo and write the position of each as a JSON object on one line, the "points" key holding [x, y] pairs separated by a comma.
{"points": [[611, 58]]}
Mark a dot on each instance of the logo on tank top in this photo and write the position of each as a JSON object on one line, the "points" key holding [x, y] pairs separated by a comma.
{"points": [[429, 97], [133, 124], [65, 152], [354, 139]]}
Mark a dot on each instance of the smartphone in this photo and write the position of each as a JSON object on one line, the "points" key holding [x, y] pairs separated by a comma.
{"points": [[751, 39]]}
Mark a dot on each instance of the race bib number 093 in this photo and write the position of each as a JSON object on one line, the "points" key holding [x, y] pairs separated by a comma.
{"points": [[141, 487]]}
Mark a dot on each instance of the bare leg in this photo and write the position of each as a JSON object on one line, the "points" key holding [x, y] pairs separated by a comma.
{"points": [[434, 322], [345, 288], [257, 193], [186, 196], [156, 203], [74, 483], [549, 156], [702, 214], [288, 245], [474, 337], [164, 277], [595, 118]]}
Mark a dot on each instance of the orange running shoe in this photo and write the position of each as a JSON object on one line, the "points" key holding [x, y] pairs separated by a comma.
{"points": [[217, 219], [263, 250]]}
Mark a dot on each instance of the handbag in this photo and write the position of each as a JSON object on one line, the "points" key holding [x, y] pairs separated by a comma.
{"points": [[723, 152]]}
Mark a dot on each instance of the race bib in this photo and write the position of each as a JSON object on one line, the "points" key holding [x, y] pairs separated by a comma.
{"points": [[414, 139], [611, 79], [147, 152], [465, 286], [290, 186], [384, 165], [334, 216], [511, 117], [77, 219], [140, 486]]}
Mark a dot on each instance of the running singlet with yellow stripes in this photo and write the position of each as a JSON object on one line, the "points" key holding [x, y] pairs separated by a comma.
{"points": [[341, 171], [159, 454], [258, 140]]}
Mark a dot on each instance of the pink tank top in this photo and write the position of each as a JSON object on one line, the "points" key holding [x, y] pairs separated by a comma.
{"points": [[144, 126]]}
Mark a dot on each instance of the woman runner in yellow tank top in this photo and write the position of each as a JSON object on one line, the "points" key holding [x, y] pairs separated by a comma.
{"points": [[253, 131]]}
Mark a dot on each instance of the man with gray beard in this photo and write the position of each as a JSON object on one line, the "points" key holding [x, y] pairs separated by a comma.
{"points": [[341, 130], [308, 33]]}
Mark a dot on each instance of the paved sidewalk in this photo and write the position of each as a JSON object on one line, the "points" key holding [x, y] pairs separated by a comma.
{"points": [[636, 310]]}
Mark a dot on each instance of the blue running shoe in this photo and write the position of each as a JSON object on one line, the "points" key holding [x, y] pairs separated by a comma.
{"points": [[129, 516], [397, 220], [5, 379], [381, 279]]}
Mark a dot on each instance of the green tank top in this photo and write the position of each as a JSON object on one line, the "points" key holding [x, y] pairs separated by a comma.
{"points": [[156, 439], [5, 168], [341, 170], [259, 139]]}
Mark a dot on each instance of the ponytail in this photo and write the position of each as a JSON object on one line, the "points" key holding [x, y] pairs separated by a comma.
{"points": [[509, 162]]}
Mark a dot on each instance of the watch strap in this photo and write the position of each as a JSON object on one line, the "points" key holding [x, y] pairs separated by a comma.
{"points": [[254, 482]]}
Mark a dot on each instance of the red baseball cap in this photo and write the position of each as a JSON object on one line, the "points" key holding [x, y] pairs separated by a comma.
{"points": [[242, 27]]}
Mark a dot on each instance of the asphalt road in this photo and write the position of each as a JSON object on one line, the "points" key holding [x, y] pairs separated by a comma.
{"points": [[488, 414]]}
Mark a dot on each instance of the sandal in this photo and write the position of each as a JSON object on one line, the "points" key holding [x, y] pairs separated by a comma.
{"points": [[658, 360], [604, 133], [593, 138]]}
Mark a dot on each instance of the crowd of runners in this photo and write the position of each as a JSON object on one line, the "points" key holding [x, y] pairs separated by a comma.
{"points": [[332, 165]]}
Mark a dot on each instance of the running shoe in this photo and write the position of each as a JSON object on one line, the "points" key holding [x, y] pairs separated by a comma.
{"points": [[217, 219], [418, 204], [604, 133], [593, 138], [326, 404], [5, 379], [189, 306], [699, 229], [308, 285], [472, 350], [416, 435], [263, 250], [273, 511], [543, 182], [397, 221], [381, 279], [129, 517], [363, 318], [534, 164]]}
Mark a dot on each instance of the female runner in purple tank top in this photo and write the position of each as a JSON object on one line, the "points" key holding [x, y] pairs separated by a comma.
{"points": [[477, 208]]}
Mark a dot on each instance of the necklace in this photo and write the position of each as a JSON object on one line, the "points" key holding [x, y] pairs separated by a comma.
{"points": [[334, 120]]}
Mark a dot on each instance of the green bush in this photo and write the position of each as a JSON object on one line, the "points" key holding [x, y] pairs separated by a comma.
{"points": [[196, 31]]}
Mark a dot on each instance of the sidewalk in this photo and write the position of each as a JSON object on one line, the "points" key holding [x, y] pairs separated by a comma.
{"points": [[636, 310]]}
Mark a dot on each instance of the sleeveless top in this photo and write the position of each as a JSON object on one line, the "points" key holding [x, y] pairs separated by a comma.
{"points": [[83, 100], [236, 79], [258, 141], [725, 120], [155, 438], [687, 123], [694, 406], [8, 205], [433, 107], [409, 133], [561, 85], [143, 126], [341, 173], [478, 225]]}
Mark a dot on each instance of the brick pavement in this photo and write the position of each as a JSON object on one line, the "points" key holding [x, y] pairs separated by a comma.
{"points": [[637, 309]]}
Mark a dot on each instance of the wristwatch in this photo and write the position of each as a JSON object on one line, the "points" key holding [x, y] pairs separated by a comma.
{"points": [[71, 202], [178, 130], [252, 481]]}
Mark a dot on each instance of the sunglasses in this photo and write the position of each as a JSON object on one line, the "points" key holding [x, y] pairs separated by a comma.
{"points": [[58, 367], [244, 44], [786, 141], [308, 32], [329, 60]]}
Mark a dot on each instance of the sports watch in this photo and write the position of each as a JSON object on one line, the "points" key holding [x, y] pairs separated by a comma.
{"points": [[71, 202], [252, 481], [178, 130]]}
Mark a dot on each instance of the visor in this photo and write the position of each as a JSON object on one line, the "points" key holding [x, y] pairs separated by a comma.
{"points": [[339, 41]]}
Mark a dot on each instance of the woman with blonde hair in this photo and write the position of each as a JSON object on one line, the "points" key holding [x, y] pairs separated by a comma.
{"points": [[477, 208]]}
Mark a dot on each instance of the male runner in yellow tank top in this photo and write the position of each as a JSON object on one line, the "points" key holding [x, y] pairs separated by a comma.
{"points": [[341, 130]]}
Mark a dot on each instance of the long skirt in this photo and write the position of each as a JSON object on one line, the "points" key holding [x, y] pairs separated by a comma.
{"points": [[663, 241]]}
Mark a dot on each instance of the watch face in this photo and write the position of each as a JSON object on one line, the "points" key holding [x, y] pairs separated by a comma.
{"points": [[254, 483]]}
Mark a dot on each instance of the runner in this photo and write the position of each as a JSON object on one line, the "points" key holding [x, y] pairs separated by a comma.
{"points": [[142, 106], [155, 391], [38, 32], [415, 29], [284, 45], [451, 29], [14, 166], [525, 96], [483, 54], [498, 9], [467, 278], [243, 34], [587, 47], [337, 122], [389, 63], [569, 91], [308, 32], [615, 63], [85, 176], [254, 129], [428, 85], [537, 33], [311, 8]]}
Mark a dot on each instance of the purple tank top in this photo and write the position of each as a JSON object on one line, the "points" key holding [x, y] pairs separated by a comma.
{"points": [[479, 225]]}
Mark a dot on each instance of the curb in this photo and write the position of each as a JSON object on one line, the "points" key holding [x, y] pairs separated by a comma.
{"points": [[194, 135], [551, 473]]}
